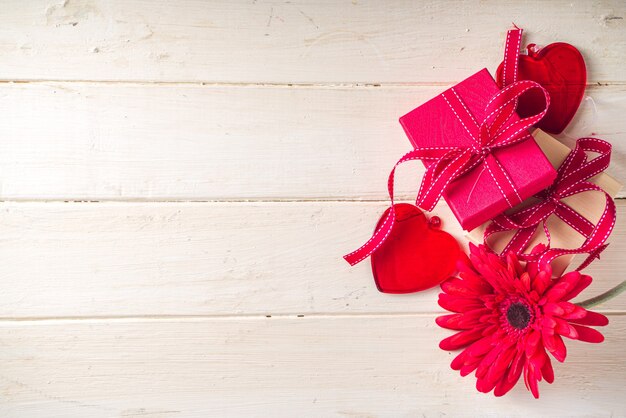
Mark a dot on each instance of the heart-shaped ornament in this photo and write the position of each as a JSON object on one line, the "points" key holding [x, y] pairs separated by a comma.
{"points": [[560, 69], [417, 255]]}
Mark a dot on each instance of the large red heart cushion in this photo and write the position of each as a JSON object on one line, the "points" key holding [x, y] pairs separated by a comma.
{"points": [[416, 255], [560, 69]]}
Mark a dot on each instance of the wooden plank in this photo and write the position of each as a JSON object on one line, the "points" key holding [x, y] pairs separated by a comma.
{"points": [[383, 367], [144, 259], [294, 41], [88, 141]]}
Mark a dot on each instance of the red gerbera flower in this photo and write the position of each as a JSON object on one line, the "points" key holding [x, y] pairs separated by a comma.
{"points": [[508, 315]]}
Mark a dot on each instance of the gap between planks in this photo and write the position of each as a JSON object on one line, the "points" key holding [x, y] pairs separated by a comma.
{"points": [[200, 201], [217, 84], [235, 317]]}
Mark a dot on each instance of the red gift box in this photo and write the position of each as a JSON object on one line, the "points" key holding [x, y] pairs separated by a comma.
{"points": [[476, 196]]}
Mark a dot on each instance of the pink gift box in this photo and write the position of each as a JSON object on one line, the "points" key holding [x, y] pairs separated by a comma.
{"points": [[474, 198]]}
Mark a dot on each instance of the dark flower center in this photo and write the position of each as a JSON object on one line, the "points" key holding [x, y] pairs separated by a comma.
{"points": [[518, 315]]}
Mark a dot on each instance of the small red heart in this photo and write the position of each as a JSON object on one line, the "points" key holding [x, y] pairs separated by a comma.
{"points": [[560, 69], [416, 255]]}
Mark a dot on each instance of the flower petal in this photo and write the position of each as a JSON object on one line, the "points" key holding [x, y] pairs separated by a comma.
{"points": [[554, 344], [488, 360], [468, 368], [583, 282], [587, 334], [532, 342], [552, 308], [501, 365], [531, 382], [457, 287], [558, 290], [591, 318], [480, 347], [459, 360], [485, 385], [525, 280], [450, 321], [546, 370], [512, 376], [460, 340], [458, 304], [565, 329], [572, 311], [541, 282]]}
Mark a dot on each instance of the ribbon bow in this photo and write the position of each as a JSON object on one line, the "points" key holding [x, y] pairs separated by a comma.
{"points": [[572, 178], [497, 130]]}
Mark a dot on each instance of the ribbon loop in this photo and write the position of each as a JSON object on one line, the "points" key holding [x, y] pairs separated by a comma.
{"points": [[572, 178], [506, 101]]}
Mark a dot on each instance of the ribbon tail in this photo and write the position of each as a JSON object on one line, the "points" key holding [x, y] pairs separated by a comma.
{"points": [[511, 56], [510, 64], [379, 237], [592, 256]]}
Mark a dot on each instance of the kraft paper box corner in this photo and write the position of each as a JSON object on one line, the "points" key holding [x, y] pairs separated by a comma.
{"points": [[589, 204]]}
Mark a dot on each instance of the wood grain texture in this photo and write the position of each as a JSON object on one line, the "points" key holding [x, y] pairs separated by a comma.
{"points": [[278, 119], [182, 142], [295, 41], [305, 367], [149, 259]]}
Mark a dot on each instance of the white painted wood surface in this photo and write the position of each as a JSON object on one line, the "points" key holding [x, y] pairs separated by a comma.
{"points": [[191, 142], [326, 41], [146, 259], [180, 179], [358, 366]]}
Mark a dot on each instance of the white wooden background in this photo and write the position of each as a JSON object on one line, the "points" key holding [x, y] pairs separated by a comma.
{"points": [[179, 180]]}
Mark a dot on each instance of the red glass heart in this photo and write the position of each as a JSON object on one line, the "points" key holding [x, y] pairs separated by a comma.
{"points": [[560, 69], [416, 255]]}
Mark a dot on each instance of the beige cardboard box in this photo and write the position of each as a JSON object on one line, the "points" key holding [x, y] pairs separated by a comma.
{"points": [[589, 204]]}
